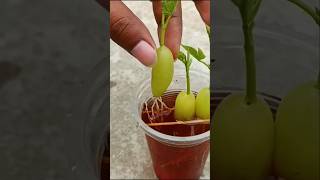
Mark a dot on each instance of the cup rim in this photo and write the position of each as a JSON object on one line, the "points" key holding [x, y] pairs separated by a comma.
{"points": [[164, 138]]}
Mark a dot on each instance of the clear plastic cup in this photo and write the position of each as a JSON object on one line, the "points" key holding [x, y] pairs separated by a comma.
{"points": [[175, 157]]}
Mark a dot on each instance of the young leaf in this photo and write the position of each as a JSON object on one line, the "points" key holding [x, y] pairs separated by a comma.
{"points": [[191, 50], [198, 54], [201, 55], [186, 60], [182, 57], [168, 7]]}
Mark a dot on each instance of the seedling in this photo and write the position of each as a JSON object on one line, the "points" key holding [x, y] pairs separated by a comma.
{"points": [[172, 113], [243, 123], [187, 106], [185, 102], [297, 126], [202, 103], [162, 72]]}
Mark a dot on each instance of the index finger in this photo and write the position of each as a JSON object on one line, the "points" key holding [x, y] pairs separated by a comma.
{"points": [[203, 6]]}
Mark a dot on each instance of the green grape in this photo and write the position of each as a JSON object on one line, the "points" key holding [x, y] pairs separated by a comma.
{"points": [[242, 139], [162, 72], [297, 134], [203, 104], [184, 106]]}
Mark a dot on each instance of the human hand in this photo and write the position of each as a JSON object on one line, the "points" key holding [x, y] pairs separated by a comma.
{"points": [[129, 32]]}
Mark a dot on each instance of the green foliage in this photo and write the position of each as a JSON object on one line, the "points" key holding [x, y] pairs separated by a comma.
{"points": [[168, 7], [197, 54], [185, 59]]}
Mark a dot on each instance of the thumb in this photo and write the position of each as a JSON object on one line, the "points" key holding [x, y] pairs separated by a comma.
{"points": [[131, 34]]}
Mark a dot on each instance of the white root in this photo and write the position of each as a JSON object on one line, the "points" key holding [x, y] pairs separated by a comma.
{"points": [[158, 108]]}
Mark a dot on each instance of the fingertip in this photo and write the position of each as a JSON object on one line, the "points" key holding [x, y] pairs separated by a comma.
{"points": [[145, 53]]}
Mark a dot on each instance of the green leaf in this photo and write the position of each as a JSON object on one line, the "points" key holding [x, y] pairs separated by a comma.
{"points": [[201, 55], [191, 50], [185, 59], [198, 54], [182, 57], [169, 6]]}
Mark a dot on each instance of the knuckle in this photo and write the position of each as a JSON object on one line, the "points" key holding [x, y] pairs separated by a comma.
{"points": [[119, 26]]}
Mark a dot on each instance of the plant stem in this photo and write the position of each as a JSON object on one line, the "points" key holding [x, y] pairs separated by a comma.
{"points": [[307, 9], [250, 63], [187, 73], [163, 31], [208, 65]]}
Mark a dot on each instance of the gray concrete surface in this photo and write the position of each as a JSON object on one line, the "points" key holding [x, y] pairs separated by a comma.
{"points": [[46, 49]]}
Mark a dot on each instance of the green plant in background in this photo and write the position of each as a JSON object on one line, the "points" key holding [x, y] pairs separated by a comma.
{"points": [[186, 105], [297, 126], [203, 97], [185, 101], [243, 125]]}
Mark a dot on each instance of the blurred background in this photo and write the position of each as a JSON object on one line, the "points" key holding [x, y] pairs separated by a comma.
{"points": [[47, 51], [130, 157], [286, 44]]}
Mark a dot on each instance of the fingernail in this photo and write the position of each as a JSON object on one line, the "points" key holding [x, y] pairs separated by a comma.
{"points": [[144, 53]]}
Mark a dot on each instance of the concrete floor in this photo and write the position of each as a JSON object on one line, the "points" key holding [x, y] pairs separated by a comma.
{"points": [[47, 49]]}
